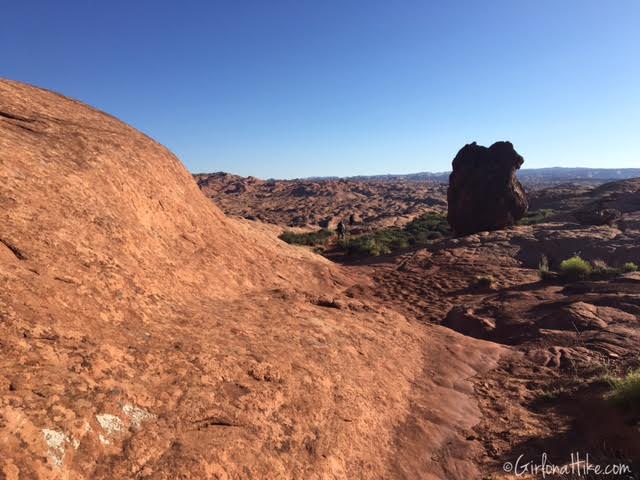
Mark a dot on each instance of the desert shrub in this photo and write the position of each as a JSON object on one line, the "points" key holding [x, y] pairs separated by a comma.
{"points": [[485, 280], [392, 238], [602, 270], [552, 395], [367, 245], [536, 216], [428, 227], [543, 267], [575, 268], [630, 267], [625, 391], [307, 238]]}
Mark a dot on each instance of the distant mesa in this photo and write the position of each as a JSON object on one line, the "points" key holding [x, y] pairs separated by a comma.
{"points": [[484, 193]]}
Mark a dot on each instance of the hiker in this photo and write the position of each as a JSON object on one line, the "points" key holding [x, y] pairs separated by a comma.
{"points": [[352, 219], [341, 230]]}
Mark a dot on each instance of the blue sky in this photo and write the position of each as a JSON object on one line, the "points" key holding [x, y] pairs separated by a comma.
{"points": [[337, 87]]}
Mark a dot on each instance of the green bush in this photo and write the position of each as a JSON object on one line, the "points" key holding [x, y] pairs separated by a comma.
{"points": [[630, 267], [308, 238], [575, 268], [366, 245], [393, 238], [626, 390], [428, 227]]}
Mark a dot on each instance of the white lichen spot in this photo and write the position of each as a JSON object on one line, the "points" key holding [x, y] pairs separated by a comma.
{"points": [[104, 440], [138, 415], [110, 423], [56, 442]]}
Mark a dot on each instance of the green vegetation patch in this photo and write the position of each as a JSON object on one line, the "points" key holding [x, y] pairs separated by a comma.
{"points": [[365, 245], [428, 227], [625, 391], [536, 216], [422, 230], [575, 268], [603, 271], [307, 238]]}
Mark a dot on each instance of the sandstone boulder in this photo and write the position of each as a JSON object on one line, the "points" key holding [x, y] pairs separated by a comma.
{"points": [[484, 193]]}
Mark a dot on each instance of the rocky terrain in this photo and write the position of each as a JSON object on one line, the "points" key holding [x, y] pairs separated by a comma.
{"points": [[145, 334], [375, 203], [323, 203], [570, 198], [563, 338]]}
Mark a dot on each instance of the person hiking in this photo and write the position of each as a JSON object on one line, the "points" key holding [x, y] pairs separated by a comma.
{"points": [[352, 219], [341, 230]]}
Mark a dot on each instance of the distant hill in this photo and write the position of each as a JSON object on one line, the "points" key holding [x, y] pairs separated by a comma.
{"points": [[553, 174]]}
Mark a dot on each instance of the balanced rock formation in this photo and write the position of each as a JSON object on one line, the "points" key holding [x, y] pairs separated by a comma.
{"points": [[484, 193]]}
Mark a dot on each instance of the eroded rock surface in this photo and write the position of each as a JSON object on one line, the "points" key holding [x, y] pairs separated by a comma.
{"points": [[143, 334], [323, 203], [562, 338]]}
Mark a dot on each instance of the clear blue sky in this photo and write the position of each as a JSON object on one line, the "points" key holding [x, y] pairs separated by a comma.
{"points": [[336, 87]]}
